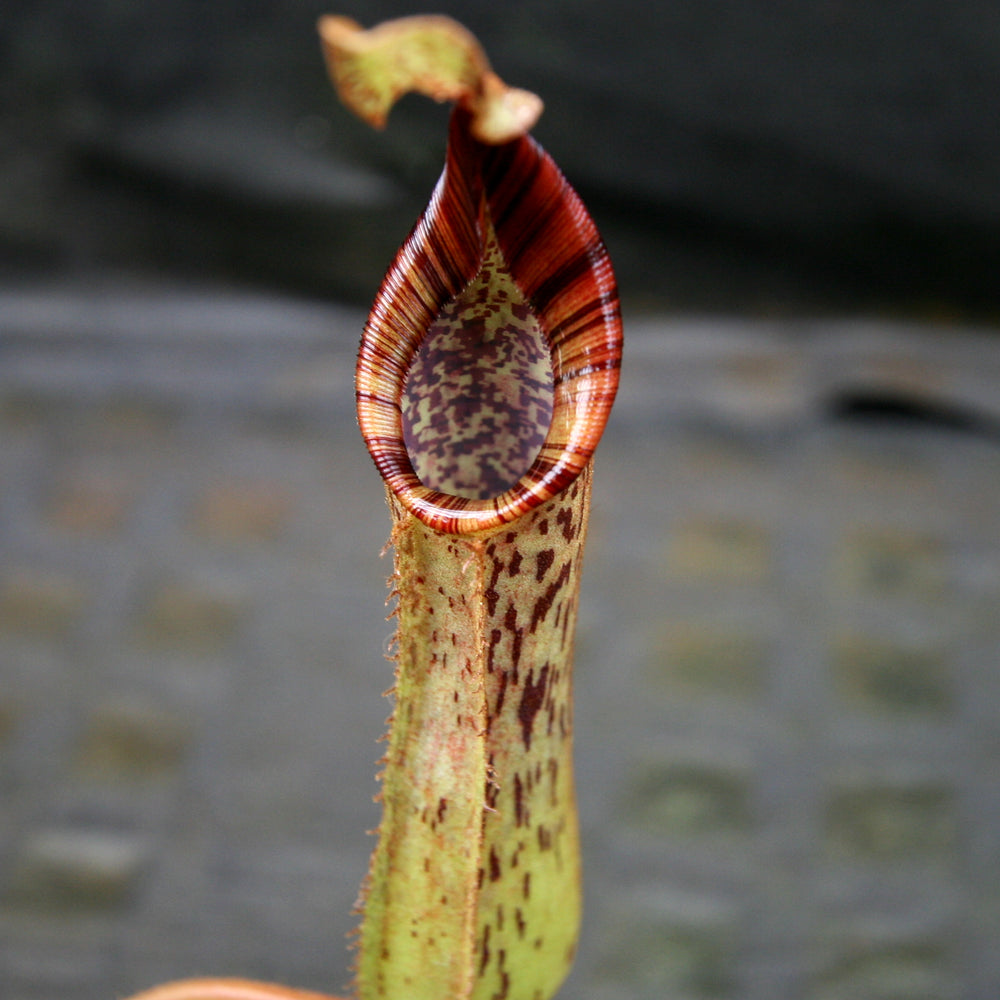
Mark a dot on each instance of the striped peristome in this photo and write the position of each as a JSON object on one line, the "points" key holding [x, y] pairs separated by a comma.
{"points": [[555, 257]]}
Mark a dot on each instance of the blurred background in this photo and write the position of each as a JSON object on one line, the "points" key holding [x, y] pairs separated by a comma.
{"points": [[787, 706], [826, 154]]}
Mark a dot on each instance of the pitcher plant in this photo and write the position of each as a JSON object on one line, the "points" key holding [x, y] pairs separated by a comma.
{"points": [[486, 373]]}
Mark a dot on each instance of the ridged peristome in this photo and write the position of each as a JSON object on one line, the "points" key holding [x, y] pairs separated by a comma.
{"points": [[556, 258]]}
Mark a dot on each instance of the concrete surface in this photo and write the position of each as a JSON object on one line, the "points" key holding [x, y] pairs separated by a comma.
{"points": [[787, 707]]}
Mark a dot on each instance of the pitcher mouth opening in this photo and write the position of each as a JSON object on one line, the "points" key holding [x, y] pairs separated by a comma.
{"points": [[490, 360], [477, 401]]}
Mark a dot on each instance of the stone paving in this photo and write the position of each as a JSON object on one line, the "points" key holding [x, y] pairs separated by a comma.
{"points": [[787, 707]]}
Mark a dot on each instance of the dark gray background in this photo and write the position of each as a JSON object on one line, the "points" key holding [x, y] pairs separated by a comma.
{"points": [[814, 153]]}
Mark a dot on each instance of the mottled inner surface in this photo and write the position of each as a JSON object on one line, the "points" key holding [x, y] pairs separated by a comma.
{"points": [[478, 398]]}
